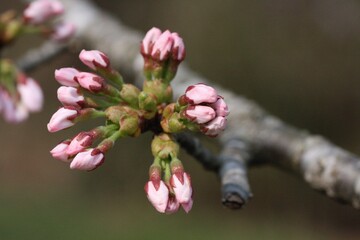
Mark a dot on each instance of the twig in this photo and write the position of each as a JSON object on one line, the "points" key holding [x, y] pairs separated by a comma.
{"points": [[230, 164], [40, 55]]}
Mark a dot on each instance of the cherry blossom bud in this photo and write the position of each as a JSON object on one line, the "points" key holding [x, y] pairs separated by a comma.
{"points": [[157, 196], [220, 107], [200, 93], [21, 113], [188, 205], [162, 46], [14, 112], [149, 40], [82, 141], [172, 206], [87, 160], [63, 32], [69, 96], [182, 189], [62, 119], [90, 81], [178, 51], [59, 151], [216, 126], [200, 114], [94, 59], [66, 76], [41, 10], [31, 94], [57, 7]]}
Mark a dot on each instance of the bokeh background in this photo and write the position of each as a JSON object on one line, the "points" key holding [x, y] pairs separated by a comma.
{"points": [[299, 59]]}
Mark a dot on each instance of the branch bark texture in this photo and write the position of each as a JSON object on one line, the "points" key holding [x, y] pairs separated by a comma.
{"points": [[252, 137]]}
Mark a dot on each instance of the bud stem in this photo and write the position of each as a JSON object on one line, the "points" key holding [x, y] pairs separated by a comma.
{"points": [[112, 75]]}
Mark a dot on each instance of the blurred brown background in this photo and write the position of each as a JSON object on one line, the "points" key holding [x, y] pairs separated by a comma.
{"points": [[298, 59]]}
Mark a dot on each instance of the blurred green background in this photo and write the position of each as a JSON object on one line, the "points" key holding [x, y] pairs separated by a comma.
{"points": [[299, 59]]}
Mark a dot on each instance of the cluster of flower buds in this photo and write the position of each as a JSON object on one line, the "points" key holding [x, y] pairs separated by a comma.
{"points": [[129, 111], [204, 107], [37, 17], [199, 109], [86, 95], [168, 186], [162, 53], [19, 94]]}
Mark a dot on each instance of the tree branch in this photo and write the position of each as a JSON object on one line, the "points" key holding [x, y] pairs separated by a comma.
{"points": [[253, 136], [40, 55], [230, 165]]}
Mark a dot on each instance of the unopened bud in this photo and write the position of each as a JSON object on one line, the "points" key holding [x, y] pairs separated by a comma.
{"points": [[87, 160], [31, 94], [63, 32], [66, 76], [59, 151], [200, 114], [214, 127], [130, 94], [200, 93], [162, 46], [79, 143], [163, 146], [158, 197], [90, 81], [147, 101], [70, 96], [94, 59], [42, 10], [182, 187], [62, 118], [149, 40]]}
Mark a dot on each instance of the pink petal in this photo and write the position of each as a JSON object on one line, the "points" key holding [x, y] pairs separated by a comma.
{"points": [[200, 93], [87, 160], [200, 114]]}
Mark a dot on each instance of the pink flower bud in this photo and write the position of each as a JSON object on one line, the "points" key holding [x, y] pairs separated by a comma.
{"points": [[90, 81], [41, 10], [172, 206], [200, 114], [157, 196], [66, 76], [188, 205], [69, 96], [182, 189], [31, 94], [62, 119], [220, 107], [200, 93], [59, 151], [178, 51], [13, 112], [162, 46], [57, 7], [63, 32], [149, 40], [82, 141], [87, 160], [94, 59], [214, 127]]}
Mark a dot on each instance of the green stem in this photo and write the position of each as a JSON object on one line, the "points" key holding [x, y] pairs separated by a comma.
{"points": [[112, 75], [167, 172]]}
